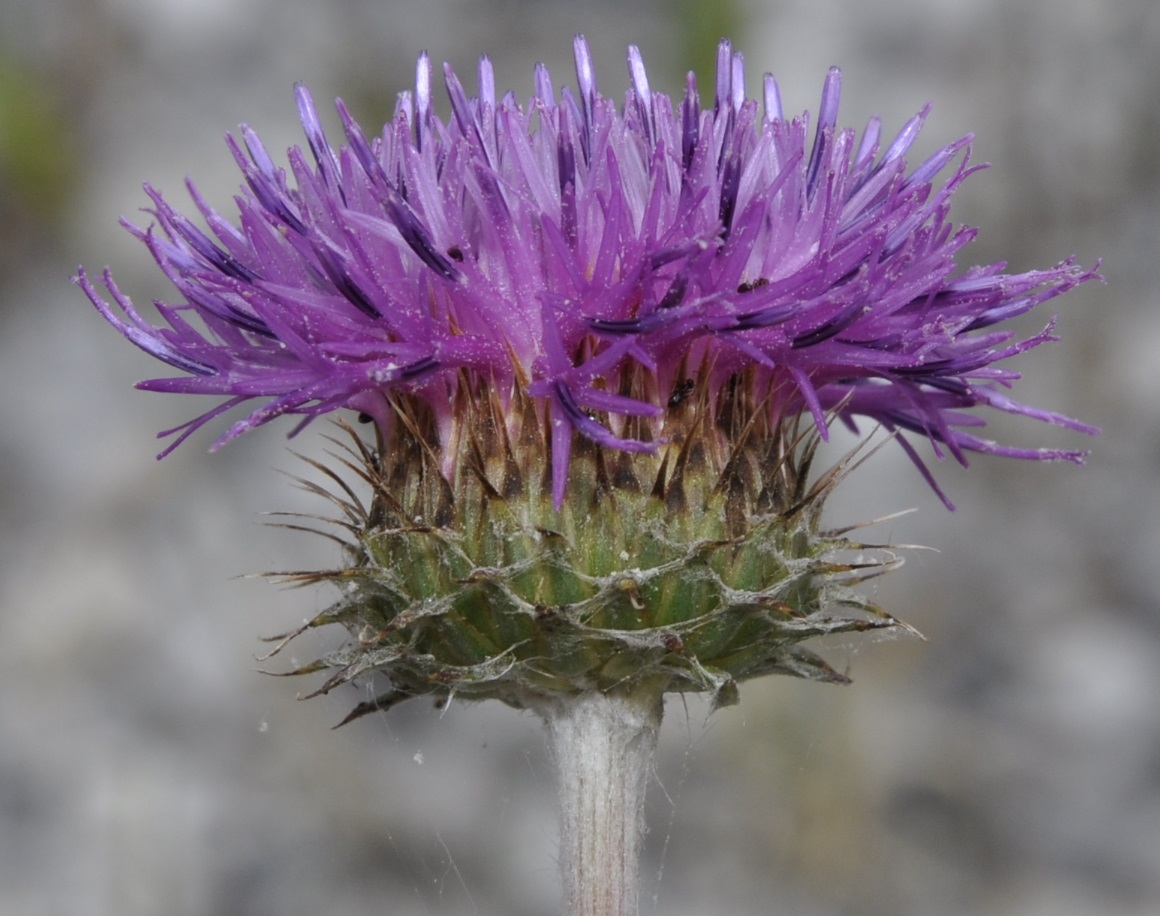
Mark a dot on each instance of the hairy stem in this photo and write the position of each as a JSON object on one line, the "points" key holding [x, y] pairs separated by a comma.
{"points": [[603, 746]]}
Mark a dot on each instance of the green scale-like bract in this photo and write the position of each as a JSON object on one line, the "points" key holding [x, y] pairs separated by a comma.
{"points": [[686, 570]]}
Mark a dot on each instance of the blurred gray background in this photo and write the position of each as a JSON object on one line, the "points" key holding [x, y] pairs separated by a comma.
{"points": [[1009, 765]]}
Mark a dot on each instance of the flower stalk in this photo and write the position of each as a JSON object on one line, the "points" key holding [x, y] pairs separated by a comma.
{"points": [[603, 746]]}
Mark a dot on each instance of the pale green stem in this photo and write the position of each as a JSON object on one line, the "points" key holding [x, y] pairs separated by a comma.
{"points": [[603, 747]]}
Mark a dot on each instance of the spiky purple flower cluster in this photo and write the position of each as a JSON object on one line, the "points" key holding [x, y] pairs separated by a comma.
{"points": [[560, 248]]}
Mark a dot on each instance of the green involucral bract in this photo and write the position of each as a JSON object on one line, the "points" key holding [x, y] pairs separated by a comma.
{"points": [[689, 569]]}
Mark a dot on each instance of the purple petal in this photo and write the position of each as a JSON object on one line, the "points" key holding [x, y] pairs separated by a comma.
{"points": [[570, 247]]}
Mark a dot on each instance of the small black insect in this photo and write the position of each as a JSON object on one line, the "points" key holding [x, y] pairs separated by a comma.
{"points": [[455, 253], [681, 392], [749, 286]]}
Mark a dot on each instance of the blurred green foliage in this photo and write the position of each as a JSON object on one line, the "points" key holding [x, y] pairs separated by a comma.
{"points": [[703, 23], [38, 159]]}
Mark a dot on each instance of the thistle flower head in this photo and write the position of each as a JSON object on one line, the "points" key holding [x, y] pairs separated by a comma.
{"points": [[604, 263], [599, 331]]}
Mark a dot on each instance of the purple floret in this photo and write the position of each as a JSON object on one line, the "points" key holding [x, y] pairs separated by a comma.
{"points": [[559, 247]]}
